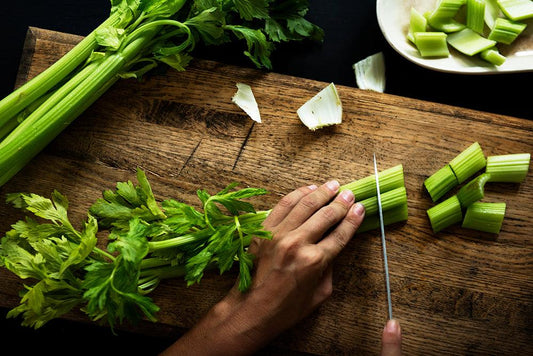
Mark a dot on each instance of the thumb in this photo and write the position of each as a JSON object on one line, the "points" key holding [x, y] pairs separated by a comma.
{"points": [[391, 342]]}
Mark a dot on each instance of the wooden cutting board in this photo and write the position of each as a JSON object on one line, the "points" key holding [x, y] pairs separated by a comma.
{"points": [[456, 292]]}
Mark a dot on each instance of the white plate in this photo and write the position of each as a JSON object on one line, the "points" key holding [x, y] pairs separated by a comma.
{"points": [[393, 18]]}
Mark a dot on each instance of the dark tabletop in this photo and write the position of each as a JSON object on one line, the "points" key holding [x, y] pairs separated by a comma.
{"points": [[352, 33]]}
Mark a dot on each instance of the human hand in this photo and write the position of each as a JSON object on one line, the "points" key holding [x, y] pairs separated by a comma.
{"points": [[293, 273], [391, 341]]}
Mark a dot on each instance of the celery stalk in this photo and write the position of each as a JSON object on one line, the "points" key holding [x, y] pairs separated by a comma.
{"points": [[492, 12], [417, 23], [442, 18], [389, 200], [475, 15], [492, 55], [391, 216], [440, 182], [473, 191], [487, 217], [431, 44], [468, 162], [469, 42], [517, 9], [445, 214], [508, 168], [389, 179], [506, 31]]}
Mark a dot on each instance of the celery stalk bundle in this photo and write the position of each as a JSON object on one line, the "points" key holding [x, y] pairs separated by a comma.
{"points": [[137, 36], [480, 216]]}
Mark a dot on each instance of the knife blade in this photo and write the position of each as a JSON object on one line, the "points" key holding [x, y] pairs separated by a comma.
{"points": [[383, 241]]}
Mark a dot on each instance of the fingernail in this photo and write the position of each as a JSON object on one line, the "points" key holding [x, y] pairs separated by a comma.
{"points": [[347, 196], [333, 185], [359, 209], [312, 187], [392, 327]]}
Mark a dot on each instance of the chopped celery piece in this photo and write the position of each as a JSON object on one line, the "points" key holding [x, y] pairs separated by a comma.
{"points": [[517, 9], [468, 162], [475, 15], [469, 42], [506, 31], [245, 99], [492, 12], [394, 215], [324, 109], [417, 23], [492, 55], [432, 44], [440, 182], [487, 217], [442, 18], [508, 168], [445, 214], [389, 179], [473, 191], [370, 73], [389, 200]]}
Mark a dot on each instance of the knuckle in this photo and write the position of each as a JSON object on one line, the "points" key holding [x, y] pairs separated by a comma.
{"points": [[330, 214], [313, 258], [310, 202], [340, 237], [286, 202]]}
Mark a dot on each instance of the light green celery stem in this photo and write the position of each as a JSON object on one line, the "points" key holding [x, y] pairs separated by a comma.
{"points": [[508, 168], [492, 12], [417, 23], [487, 217], [468, 162], [33, 89], [473, 191], [32, 135], [203, 235], [440, 182], [394, 215], [517, 9], [492, 55], [445, 214], [442, 18], [469, 42], [506, 31], [389, 200], [389, 179], [475, 15], [432, 44], [164, 272]]}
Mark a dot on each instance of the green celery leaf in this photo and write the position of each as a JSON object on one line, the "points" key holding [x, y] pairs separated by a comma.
{"points": [[259, 48], [87, 243], [133, 245], [208, 24], [246, 262], [196, 265], [148, 195], [275, 31], [109, 37], [250, 9]]}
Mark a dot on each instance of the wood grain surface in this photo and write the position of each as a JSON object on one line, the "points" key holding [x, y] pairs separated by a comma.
{"points": [[458, 292]]}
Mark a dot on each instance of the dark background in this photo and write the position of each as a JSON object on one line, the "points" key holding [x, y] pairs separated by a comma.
{"points": [[352, 33]]}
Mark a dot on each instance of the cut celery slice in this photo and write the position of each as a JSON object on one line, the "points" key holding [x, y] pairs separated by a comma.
{"points": [[389, 179], [394, 215], [244, 98], [442, 18], [473, 191], [516, 9], [440, 182], [487, 217], [445, 214], [469, 42], [432, 44], [468, 162], [475, 15], [492, 12], [508, 168], [417, 23], [370, 73], [492, 55], [506, 31], [324, 109], [389, 200]]}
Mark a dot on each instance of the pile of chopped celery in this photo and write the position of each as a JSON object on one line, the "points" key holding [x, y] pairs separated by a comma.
{"points": [[472, 27], [393, 197], [465, 205]]}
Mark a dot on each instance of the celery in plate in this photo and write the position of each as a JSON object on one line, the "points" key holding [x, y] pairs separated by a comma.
{"points": [[440, 182], [517, 9], [469, 42], [506, 31], [468, 162], [487, 217], [508, 168], [473, 191], [417, 23], [492, 55], [442, 18], [445, 214], [431, 44], [475, 15]]}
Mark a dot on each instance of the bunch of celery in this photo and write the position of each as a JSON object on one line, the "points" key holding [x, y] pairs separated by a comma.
{"points": [[478, 215], [487, 24], [137, 36]]}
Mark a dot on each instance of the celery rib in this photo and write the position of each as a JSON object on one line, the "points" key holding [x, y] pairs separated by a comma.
{"points": [[506, 31], [508, 168], [516, 9], [389, 200], [469, 42], [440, 182], [389, 179], [431, 44], [445, 214], [391, 216], [468, 162], [473, 191], [486, 217], [475, 15]]}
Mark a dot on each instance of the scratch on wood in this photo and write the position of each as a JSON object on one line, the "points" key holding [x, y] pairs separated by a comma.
{"points": [[242, 146], [190, 157]]}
